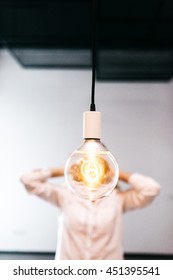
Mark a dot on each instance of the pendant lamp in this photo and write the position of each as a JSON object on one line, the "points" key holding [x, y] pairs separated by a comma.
{"points": [[91, 171]]}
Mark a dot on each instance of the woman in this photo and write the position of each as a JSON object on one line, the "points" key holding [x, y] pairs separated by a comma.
{"points": [[91, 230]]}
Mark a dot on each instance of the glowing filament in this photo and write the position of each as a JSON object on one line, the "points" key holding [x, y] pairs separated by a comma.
{"points": [[92, 171]]}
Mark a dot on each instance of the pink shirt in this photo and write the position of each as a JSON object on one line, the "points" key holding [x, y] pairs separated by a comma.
{"points": [[91, 230]]}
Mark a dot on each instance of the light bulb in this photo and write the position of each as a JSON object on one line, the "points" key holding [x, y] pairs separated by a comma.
{"points": [[91, 171]]}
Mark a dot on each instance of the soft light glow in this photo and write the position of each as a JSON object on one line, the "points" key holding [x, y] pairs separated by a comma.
{"points": [[91, 171]]}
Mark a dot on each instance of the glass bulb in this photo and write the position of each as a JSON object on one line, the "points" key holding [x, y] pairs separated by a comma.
{"points": [[91, 171]]}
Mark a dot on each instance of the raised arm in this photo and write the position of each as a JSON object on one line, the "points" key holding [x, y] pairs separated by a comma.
{"points": [[57, 172], [142, 190], [37, 182], [124, 176]]}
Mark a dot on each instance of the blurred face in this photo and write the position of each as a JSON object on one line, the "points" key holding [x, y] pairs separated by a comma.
{"points": [[92, 171]]}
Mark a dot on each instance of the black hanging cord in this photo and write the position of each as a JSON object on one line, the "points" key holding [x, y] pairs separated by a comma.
{"points": [[93, 53]]}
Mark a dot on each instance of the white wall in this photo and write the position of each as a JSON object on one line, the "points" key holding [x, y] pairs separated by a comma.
{"points": [[41, 123]]}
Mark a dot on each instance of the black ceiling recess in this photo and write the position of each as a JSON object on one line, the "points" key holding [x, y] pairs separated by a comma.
{"points": [[134, 38]]}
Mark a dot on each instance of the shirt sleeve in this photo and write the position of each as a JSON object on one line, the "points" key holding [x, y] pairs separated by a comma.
{"points": [[36, 182], [142, 191]]}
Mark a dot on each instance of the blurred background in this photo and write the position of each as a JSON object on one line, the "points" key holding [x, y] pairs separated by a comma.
{"points": [[45, 85]]}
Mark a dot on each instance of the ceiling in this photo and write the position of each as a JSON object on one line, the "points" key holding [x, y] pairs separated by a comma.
{"points": [[134, 38]]}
